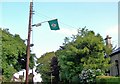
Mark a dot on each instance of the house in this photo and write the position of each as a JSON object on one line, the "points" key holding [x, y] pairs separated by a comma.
{"points": [[17, 76], [0, 78], [21, 75], [114, 59]]}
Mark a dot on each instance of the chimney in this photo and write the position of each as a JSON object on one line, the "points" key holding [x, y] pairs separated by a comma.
{"points": [[108, 41]]}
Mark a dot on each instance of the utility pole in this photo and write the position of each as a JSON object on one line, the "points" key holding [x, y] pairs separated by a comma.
{"points": [[28, 40]]}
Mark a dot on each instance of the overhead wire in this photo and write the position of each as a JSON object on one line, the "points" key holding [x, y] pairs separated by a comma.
{"points": [[38, 14], [45, 16]]}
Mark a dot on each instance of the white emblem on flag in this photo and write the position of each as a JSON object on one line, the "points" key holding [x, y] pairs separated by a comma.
{"points": [[53, 25]]}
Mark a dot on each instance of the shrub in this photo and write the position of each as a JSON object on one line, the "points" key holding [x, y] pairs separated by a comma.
{"points": [[89, 76], [107, 80]]}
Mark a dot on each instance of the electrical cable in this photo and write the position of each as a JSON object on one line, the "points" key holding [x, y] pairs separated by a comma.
{"points": [[52, 18]]}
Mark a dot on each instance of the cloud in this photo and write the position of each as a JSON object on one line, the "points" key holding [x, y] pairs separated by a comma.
{"points": [[67, 32]]}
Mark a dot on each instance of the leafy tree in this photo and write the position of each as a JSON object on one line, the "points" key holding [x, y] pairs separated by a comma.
{"points": [[55, 70], [44, 66], [13, 54], [86, 50]]}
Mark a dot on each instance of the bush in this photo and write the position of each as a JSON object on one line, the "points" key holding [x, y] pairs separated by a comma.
{"points": [[89, 76], [107, 80], [75, 80]]}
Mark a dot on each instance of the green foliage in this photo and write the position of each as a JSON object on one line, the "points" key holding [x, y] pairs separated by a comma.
{"points": [[89, 76], [12, 46], [69, 67], [44, 67], [94, 52], [13, 54], [85, 51], [32, 61], [55, 69], [107, 80]]}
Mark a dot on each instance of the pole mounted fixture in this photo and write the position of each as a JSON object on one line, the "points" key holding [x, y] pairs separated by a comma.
{"points": [[53, 24], [39, 24]]}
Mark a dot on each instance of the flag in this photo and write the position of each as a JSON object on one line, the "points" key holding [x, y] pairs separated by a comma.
{"points": [[54, 24]]}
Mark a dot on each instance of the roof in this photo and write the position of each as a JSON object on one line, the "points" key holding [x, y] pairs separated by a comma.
{"points": [[115, 51]]}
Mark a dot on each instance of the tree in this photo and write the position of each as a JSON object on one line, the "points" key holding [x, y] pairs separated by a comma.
{"points": [[55, 70], [44, 66], [85, 51], [13, 54]]}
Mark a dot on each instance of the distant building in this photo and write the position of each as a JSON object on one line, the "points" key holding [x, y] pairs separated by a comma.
{"points": [[0, 78], [16, 78], [21, 75], [115, 61], [108, 41], [114, 58]]}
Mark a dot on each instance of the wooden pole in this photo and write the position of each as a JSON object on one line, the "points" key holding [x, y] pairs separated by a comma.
{"points": [[28, 41]]}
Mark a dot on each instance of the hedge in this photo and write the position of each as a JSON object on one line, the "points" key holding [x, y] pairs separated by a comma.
{"points": [[107, 80]]}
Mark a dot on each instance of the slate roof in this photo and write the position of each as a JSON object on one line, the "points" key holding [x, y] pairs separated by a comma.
{"points": [[115, 51]]}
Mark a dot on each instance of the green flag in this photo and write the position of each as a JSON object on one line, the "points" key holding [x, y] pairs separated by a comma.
{"points": [[54, 24]]}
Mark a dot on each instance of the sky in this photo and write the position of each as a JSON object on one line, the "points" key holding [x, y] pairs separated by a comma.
{"points": [[101, 17]]}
